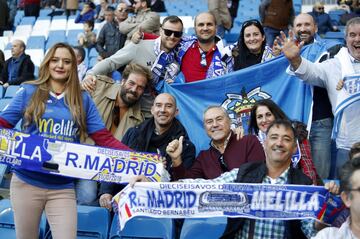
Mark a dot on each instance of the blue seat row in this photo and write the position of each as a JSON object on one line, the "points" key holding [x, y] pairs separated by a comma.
{"points": [[95, 222], [8, 92]]}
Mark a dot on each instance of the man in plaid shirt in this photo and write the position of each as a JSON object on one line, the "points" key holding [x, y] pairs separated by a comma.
{"points": [[279, 145]]}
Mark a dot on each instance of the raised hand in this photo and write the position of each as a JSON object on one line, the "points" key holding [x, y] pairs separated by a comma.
{"points": [[174, 150], [291, 48], [137, 36]]}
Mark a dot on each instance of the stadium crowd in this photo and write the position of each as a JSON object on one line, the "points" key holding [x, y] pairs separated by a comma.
{"points": [[136, 114]]}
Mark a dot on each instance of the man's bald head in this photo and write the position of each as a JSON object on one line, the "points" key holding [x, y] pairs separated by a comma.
{"points": [[305, 28]]}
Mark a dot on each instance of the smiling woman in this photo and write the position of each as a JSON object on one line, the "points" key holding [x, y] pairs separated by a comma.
{"points": [[55, 97], [263, 114], [251, 47]]}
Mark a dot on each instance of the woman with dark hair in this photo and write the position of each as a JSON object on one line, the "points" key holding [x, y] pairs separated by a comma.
{"points": [[263, 114], [55, 97], [251, 47]]}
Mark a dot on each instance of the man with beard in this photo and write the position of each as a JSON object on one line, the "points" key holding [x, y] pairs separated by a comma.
{"points": [[305, 30], [201, 57], [119, 107], [154, 135], [147, 53]]}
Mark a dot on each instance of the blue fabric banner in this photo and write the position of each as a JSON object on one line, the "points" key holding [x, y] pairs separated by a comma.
{"points": [[257, 201]]}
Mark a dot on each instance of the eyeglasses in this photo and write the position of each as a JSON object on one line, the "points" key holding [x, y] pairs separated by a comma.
{"points": [[168, 33], [355, 189], [321, 8], [223, 165]]}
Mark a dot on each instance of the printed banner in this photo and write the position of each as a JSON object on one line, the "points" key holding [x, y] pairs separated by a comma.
{"points": [[44, 155], [197, 200]]}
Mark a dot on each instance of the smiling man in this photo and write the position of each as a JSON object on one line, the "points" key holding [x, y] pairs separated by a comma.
{"points": [[279, 146], [225, 152], [305, 30], [156, 54], [201, 58], [153, 135], [345, 65]]}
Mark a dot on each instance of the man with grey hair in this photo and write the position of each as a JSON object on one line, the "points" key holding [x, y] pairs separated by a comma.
{"points": [[225, 151], [345, 65]]}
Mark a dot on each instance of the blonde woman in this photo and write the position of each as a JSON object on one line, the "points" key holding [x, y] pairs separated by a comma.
{"points": [[55, 97]]}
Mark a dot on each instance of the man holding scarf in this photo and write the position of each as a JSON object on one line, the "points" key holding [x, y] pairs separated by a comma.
{"points": [[156, 54]]}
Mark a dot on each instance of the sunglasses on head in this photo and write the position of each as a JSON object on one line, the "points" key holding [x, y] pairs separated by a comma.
{"points": [[168, 33], [250, 22]]}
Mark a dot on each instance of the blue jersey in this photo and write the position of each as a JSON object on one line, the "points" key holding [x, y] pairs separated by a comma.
{"points": [[56, 123]]}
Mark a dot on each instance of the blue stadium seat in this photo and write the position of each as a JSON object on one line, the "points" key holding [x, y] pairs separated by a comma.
{"points": [[55, 37], [2, 91], [45, 12], [337, 12], [93, 222], [114, 229], [72, 36], [203, 228], [4, 103], [28, 21], [11, 91], [147, 227], [231, 37], [35, 42], [339, 36], [59, 17], [19, 15], [7, 224], [335, 19]]}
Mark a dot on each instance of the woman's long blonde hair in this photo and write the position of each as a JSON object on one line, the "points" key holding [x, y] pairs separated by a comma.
{"points": [[73, 96]]}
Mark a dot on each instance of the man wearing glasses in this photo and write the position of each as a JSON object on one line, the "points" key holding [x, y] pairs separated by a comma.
{"points": [[156, 54], [144, 18], [322, 19]]}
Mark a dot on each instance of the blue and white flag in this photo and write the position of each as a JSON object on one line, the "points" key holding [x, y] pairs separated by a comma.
{"points": [[237, 92]]}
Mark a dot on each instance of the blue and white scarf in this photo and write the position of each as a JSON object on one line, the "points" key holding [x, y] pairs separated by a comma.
{"points": [[219, 63], [164, 66]]}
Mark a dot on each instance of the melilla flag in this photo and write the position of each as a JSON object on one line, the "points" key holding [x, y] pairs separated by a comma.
{"points": [[237, 92]]}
